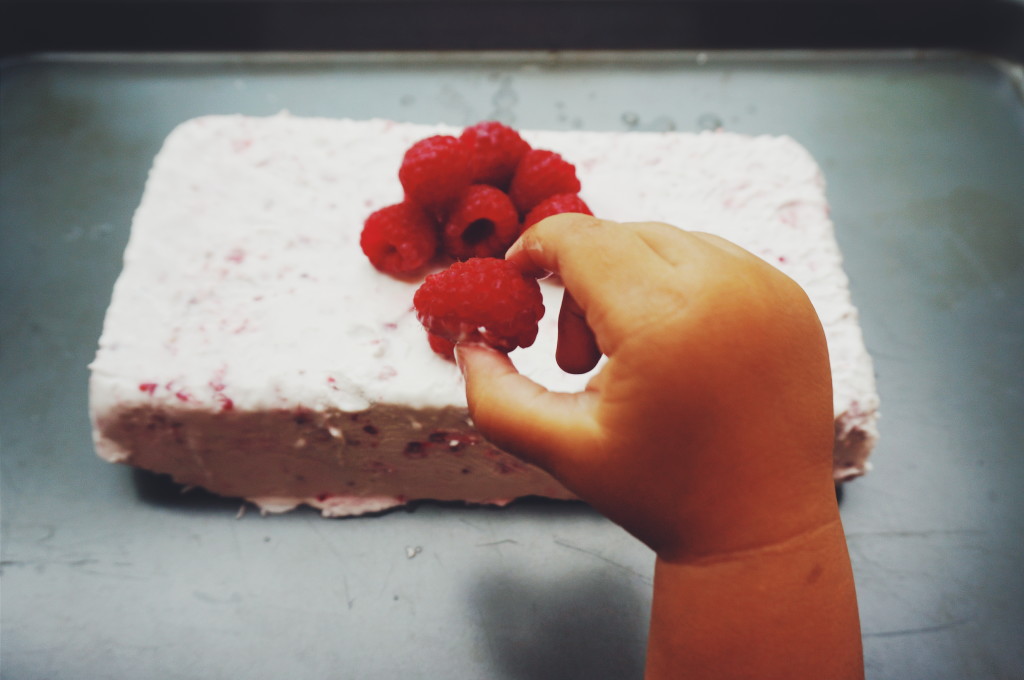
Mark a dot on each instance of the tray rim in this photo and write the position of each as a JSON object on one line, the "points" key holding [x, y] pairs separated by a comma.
{"points": [[1011, 69], [660, 57]]}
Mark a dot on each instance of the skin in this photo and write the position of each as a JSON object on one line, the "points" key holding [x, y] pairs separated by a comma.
{"points": [[707, 434]]}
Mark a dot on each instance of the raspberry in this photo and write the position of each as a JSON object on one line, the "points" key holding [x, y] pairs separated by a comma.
{"points": [[496, 150], [555, 205], [541, 174], [399, 239], [442, 346], [484, 298], [435, 171], [482, 223]]}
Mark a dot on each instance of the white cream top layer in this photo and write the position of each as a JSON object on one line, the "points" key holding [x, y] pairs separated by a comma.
{"points": [[244, 282]]}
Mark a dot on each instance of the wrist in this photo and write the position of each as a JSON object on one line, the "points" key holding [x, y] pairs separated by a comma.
{"points": [[782, 610], [709, 526]]}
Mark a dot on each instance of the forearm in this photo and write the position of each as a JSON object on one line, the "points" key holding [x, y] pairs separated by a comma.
{"points": [[788, 611]]}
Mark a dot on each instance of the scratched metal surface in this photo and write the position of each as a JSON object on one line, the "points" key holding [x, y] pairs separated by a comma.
{"points": [[113, 574]]}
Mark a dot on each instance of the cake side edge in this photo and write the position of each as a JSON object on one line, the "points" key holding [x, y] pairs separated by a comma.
{"points": [[341, 463]]}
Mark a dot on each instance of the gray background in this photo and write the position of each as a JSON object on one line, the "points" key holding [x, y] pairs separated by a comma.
{"points": [[108, 573]]}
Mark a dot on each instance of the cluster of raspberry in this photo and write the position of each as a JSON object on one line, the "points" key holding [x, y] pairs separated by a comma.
{"points": [[468, 198]]}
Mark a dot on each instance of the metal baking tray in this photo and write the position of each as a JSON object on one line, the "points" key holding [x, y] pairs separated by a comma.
{"points": [[110, 573]]}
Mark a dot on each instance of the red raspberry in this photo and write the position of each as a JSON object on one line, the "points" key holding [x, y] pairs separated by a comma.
{"points": [[435, 171], [496, 150], [541, 174], [442, 346], [399, 239], [484, 298], [556, 205], [482, 223]]}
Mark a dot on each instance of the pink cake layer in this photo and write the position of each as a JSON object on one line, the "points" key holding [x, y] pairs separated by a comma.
{"points": [[251, 349]]}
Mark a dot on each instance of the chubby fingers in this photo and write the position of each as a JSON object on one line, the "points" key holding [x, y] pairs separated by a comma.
{"points": [[577, 350], [616, 275], [581, 249], [513, 412]]}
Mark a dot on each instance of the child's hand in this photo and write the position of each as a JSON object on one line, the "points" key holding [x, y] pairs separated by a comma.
{"points": [[707, 434], [709, 430]]}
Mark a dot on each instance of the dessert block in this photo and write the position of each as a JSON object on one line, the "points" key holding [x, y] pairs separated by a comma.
{"points": [[250, 348]]}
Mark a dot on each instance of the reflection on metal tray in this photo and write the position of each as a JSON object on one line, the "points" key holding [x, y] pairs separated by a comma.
{"points": [[111, 574]]}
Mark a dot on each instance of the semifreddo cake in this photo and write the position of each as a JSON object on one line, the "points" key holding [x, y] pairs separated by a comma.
{"points": [[251, 349]]}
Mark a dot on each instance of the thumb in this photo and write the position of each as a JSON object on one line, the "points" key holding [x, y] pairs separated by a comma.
{"points": [[553, 430]]}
